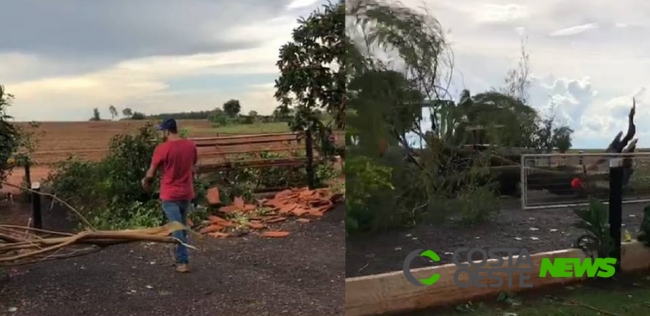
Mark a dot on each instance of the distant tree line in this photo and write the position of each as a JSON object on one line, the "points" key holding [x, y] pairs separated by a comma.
{"points": [[228, 113]]}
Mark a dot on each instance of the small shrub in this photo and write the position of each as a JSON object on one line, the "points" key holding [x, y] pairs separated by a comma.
{"points": [[108, 193], [476, 204], [595, 222], [369, 198]]}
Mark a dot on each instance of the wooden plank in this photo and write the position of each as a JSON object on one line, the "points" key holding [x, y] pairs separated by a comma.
{"points": [[246, 141], [248, 150], [259, 163], [392, 293]]}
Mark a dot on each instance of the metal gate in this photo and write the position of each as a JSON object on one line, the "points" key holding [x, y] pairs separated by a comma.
{"points": [[567, 180]]}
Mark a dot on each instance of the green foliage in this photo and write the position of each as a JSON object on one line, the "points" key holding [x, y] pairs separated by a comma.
{"points": [[368, 186], [183, 133], [138, 116], [243, 182], [595, 222], [232, 108], [644, 228], [113, 111], [10, 136], [108, 192], [312, 73], [96, 116], [127, 112], [385, 110]]}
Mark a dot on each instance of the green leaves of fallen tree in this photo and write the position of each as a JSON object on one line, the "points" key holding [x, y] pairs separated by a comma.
{"points": [[385, 102]]}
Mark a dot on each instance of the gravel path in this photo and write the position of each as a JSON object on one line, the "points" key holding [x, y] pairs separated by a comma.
{"points": [[298, 275]]}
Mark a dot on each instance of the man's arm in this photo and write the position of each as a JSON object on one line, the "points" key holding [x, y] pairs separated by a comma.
{"points": [[195, 169], [156, 160]]}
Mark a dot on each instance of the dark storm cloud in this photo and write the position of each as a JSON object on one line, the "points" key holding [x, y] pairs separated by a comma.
{"points": [[108, 31]]}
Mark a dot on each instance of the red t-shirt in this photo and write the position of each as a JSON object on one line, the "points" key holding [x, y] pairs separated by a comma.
{"points": [[176, 160]]}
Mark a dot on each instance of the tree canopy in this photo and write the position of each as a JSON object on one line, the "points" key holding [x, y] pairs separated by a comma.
{"points": [[232, 107], [312, 73]]}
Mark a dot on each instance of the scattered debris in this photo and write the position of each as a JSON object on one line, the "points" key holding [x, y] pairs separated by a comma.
{"points": [[275, 234], [240, 216]]}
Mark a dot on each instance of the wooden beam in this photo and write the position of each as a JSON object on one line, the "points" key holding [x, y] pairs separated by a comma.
{"points": [[392, 293]]}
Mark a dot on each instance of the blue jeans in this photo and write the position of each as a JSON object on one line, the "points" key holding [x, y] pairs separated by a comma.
{"points": [[176, 211]]}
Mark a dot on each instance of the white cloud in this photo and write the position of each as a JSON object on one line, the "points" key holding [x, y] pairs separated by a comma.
{"points": [[297, 4], [494, 13], [574, 30], [142, 83], [589, 69]]}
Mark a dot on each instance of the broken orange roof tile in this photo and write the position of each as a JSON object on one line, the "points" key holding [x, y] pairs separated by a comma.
{"points": [[219, 235], [238, 203], [299, 211], [213, 196], [287, 208], [275, 234], [228, 209], [216, 220], [316, 213], [248, 207], [211, 229], [275, 219], [304, 220], [256, 225]]}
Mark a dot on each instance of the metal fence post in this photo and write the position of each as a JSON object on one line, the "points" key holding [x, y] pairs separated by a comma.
{"points": [[36, 205], [616, 207], [309, 167]]}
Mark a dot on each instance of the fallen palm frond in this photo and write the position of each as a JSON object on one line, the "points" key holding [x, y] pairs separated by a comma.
{"points": [[23, 245]]}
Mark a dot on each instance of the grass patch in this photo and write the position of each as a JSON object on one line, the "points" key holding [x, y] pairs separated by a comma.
{"points": [[256, 128], [628, 296]]}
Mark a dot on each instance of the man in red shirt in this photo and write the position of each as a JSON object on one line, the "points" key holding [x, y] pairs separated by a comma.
{"points": [[176, 158]]}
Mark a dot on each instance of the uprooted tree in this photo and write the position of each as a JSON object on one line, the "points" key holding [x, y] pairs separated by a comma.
{"points": [[473, 150]]}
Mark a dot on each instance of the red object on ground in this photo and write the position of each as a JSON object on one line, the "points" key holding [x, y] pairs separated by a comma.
{"points": [[576, 183]]}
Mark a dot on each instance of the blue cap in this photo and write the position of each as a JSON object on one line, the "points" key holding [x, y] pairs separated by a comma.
{"points": [[168, 124]]}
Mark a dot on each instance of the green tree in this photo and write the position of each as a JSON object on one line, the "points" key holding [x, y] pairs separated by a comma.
{"points": [[312, 72], [9, 135], [282, 113], [232, 108], [138, 116], [127, 112], [562, 138], [252, 114], [113, 111], [96, 115]]}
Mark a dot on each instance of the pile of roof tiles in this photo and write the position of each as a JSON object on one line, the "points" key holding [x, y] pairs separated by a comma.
{"points": [[300, 203]]}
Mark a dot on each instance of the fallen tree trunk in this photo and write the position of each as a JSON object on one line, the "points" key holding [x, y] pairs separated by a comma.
{"points": [[23, 245]]}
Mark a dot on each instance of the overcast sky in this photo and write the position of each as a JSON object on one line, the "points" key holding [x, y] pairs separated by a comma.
{"points": [[588, 57], [63, 58]]}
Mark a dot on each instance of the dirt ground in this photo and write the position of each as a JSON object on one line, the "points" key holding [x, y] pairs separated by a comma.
{"points": [[536, 230], [301, 274]]}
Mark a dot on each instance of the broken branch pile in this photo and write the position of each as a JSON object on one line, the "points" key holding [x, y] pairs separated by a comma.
{"points": [[22, 245], [240, 217]]}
